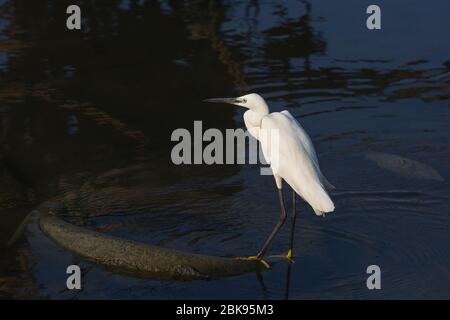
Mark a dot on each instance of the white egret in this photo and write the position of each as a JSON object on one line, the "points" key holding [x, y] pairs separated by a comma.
{"points": [[295, 162]]}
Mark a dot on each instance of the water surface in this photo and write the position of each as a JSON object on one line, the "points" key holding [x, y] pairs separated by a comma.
{"points": [[75, 106]]}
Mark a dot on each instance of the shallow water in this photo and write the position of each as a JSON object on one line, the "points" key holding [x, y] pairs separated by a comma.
{"points": [[75, 105]]}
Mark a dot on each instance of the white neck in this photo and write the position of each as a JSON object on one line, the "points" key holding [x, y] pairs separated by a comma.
{"points": [[258, 109], [253, 121], [261, 108]]}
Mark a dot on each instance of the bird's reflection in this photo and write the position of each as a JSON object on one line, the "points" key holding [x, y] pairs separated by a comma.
{"points": [[288, 281], [265, 292]]}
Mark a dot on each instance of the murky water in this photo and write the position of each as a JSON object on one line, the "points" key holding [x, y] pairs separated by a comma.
{"points": [[75, 106]]}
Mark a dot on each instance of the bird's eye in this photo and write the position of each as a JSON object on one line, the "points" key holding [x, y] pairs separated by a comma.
{"points": [[244, 100]]}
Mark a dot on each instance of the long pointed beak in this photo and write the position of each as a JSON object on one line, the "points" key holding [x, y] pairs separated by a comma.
{"points": [[222, 100]]}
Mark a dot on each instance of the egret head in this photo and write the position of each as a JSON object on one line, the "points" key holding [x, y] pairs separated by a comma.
{"points": [[252, 101]]}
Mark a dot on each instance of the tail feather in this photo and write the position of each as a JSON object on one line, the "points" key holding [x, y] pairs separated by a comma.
{"points": [[324, 208], [327, 183], [321, 213], [316, 196]]}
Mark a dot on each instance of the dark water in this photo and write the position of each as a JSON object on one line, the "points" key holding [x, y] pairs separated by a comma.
{"points": [[75, 105]]}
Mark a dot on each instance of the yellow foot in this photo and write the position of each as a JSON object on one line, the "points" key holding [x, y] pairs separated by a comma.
{"points": [[255, 258], [288, 256]]}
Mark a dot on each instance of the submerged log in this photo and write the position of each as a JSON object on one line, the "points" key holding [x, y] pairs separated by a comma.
{"points": [[133, 257]]}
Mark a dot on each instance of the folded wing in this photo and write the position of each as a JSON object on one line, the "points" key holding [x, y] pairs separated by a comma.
{"points": [[295, 160]]}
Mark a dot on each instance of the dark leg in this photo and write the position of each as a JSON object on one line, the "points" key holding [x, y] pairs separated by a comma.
{"points": [[277, 227], [293, 218]]}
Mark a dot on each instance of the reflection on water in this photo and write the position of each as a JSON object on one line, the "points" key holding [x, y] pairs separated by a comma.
{"points": [[88, 116], [404, 166]]}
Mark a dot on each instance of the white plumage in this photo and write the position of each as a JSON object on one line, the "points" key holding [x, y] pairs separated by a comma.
{"points": [[289, 151], [296, 160]]}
